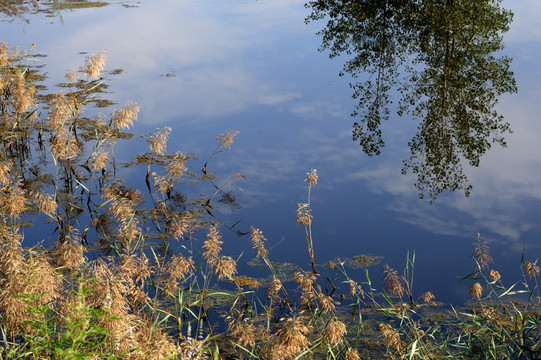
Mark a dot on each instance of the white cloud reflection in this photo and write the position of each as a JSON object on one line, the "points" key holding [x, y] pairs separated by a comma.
{"points": [[224, 58], [231, 57]]}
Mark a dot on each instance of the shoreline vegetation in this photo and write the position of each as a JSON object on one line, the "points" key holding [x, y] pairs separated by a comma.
{"points": [[139, 273]]}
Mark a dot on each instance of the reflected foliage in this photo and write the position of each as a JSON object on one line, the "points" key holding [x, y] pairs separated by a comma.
{"points": [[442, 57]]}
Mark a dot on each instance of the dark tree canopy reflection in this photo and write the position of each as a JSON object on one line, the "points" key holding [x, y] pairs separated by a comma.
{"points": [[442, 56]]}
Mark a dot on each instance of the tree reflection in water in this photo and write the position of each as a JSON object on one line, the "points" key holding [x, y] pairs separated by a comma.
{"points": [[442, 56]]}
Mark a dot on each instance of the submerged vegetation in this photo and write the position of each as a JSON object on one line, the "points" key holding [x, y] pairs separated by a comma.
{"points": [[140, 273], [51, 8]]}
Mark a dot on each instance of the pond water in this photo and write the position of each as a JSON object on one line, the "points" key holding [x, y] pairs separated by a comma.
{"points": [[202, 67]]}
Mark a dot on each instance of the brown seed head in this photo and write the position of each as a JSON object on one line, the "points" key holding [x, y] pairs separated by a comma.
{"points": [[311, 178], [355, 288], [22, 94], [327, 303], [391, 336], [243, 330], [69, 255], [11, 253], [212, 244], [494, 275], [392, 281], [274, 288], [64, 145], [532, 269], [157, 142], [293, 336], [427, 296], [177, 167], [476, 290], [225, 267], [258, 242], [225, 140], [12, 199], [4, 58], [45, 202], [95, 64], [352, 354], [177, 270], [124, 118], [99, 159], [334, 332], [304, 218], [71, 76], [480, 252], [306, 282], [181, 224], [5, 170], [60, 112], [161, 183]]}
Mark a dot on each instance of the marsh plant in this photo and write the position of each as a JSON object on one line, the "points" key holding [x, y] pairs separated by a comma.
{"points": [[139, 271]]}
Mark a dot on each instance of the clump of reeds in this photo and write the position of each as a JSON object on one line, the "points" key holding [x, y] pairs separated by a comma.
{"points": [[304, 216], [136, 275]]}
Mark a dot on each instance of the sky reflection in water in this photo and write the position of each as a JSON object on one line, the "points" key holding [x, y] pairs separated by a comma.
{"points": [[254, 66]]}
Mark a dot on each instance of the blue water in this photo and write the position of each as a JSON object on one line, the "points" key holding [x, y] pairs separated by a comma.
{"points": [[254, 66]]}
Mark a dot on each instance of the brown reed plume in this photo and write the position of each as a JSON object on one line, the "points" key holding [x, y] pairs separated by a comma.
{"points": [[44, 202], [352, 354], [223, 266], [391, 336], [5, 170], [178, 268], [110, 293], [392, 282], [532, 269], [71, 76], [225, 140], [354, 288], [212, 244], [476, 290], [304, 216], [494, 275], [13, 198], [69, 253], [480, 252], [11, 251], [306, 283], [65, 146], [274, 288], [176, 166], [180, 224], [334, 332], [125, 117], [22, 93], [157, 142], [243, 330], [34, 284], [95, 64], [122, 202], [99, 158], [61, 110], [291, 337], [427, 297], [258, 242]]}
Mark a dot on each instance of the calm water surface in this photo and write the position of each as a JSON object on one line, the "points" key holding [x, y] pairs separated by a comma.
{"points": [[202, 67]]}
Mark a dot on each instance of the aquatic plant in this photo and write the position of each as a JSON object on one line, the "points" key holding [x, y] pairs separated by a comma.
{"points": [[142, 273]]}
